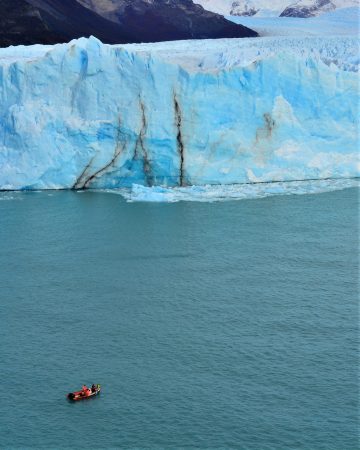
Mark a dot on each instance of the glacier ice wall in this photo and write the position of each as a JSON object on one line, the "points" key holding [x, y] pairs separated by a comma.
{"points": [[88, 115]]}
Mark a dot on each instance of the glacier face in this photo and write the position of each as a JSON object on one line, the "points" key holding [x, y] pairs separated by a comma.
{"points": [[88, 115]]}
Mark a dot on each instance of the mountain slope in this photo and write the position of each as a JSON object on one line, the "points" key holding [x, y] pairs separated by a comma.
{"points": [[158, 20], [54, 21], [308, 8], [21, 23], [243, 8], [57, 21]]}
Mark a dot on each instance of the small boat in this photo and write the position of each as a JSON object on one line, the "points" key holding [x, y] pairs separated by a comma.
{"points": [[83, 394]]}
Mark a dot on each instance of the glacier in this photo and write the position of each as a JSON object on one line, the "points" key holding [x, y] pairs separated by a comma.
{"points": [[343, 21], [264, 7], [88, 115]]}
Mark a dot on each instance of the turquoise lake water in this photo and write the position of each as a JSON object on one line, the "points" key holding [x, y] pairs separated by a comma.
{"points": [[209, 325]]}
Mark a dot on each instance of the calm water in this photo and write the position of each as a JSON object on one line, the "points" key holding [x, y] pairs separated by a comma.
{"points": [[224, 325]]}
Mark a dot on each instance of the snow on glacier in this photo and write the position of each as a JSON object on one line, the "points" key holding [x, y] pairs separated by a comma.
{"points": [[335, 23], [265, 7], [88, 115]]}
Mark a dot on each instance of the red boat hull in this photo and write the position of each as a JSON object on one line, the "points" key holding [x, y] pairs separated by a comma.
{"points": [[81, 395]]}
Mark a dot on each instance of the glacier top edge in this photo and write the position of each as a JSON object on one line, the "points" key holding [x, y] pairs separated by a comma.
{"points": [[208, 55]]}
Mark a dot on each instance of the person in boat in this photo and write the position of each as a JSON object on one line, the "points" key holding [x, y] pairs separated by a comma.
{"points": [[85, 390], [93, 388]]}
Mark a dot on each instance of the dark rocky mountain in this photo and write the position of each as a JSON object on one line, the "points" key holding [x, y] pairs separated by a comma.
{"points": [[159, 20], [21, 23], [243, 8], [55, 21], [305, 8]]}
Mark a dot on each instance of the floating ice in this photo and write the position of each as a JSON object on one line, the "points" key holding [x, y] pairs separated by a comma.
{"points": [[138, 193]]}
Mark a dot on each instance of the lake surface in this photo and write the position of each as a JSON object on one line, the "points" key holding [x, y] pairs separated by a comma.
{"points": [[208, 325]]}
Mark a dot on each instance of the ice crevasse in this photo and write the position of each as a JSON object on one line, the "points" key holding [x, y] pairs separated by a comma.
{"points": [[89, 115]]}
